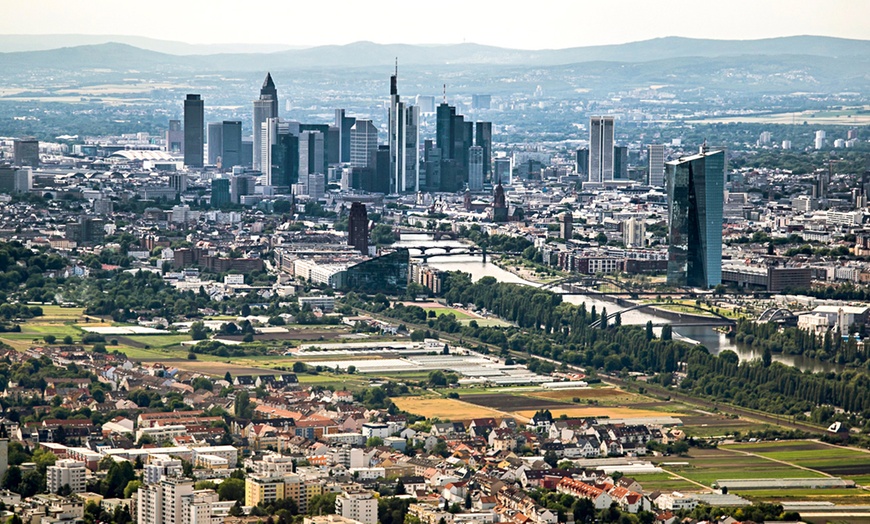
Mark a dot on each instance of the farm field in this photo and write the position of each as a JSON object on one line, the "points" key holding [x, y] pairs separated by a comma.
{"points": [[832, 460], [599, 411], [158, 341], [664, 482], [844, 496], [602, 395], [446, 408], [706, 466]]}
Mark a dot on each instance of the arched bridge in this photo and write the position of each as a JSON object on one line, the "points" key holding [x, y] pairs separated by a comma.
{"points": [[778, 315], [611, 316], [427, 252], [588, 280]]}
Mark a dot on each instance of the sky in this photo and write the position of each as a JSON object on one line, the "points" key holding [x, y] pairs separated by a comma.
{"points": [[536, 24]]}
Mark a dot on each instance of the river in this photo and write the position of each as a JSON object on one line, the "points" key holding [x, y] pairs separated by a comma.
{"points": [[714, 341]]}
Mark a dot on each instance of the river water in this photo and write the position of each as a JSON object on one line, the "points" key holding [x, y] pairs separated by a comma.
{"points": [[714, 341]]}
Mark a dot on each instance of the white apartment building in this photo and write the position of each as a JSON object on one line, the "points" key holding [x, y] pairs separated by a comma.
{"points": [[357, 504], [66, 472], [159, 467]]}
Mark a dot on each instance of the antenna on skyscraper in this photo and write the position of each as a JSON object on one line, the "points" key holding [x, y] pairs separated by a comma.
{"points": [[444, 92], [397, 66]]}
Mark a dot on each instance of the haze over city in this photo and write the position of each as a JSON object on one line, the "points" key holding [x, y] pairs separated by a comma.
{"points": [[545, 24]]}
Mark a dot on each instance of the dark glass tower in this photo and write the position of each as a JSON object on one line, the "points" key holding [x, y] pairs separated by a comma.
{"points": [[695, 187], [231, 144], [483, 138], [285, 160], [194, 130], [358, 227]]}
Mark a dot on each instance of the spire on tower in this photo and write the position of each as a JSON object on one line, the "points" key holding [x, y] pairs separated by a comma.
{"points": [[444, 92]]}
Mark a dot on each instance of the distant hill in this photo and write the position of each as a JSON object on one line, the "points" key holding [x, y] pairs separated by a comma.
{"points": [[17, 43], [107, 49]]}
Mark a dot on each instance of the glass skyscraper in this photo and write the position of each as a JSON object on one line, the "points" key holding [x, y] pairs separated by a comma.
{"points": [[695, 187]]}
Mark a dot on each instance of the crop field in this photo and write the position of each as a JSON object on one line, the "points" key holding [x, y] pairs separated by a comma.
{"points": [[606, 395], [832, 460], [663, 482], [706, 466], [508, 402], [599, 411], [446, 408], [157, 341], [839, 496]]}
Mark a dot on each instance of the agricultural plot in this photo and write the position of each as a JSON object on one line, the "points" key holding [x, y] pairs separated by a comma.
{"points": [[706, 466], [508, 402], [599, 411], [446, 408], [832, 460], [603, 396], [664, 482]]}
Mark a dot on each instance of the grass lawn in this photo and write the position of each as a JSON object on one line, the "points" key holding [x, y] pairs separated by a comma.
{"points": [[486, 322], [460, 315], [60, 314]]}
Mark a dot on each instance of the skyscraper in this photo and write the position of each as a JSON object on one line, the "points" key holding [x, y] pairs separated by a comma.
{"points": [[582, 163], [363, 140], [403, 143], [483, 138], [695, 186], [345, 133], [231, 144], [475, 168], [175, 138], [620, 163], [194, 112], [220, 192], [215, 144], [265, 107], [601, 149], [284, 167], [310, 153], [358, 227], [566, 226], [656, 177], [25, 152]]}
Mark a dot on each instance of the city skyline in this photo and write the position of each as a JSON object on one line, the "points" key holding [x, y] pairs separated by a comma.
{"points": [[638, 21]]}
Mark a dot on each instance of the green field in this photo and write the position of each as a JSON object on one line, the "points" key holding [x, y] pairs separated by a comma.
{"points": [[460, 315], [706, 466], [663, 482], [832, 460], [158, 341]]}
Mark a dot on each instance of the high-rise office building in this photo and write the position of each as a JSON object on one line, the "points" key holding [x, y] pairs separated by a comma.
{"points": [[481, 101], [345, 135], [695, 187], [566, 226], [819, 142], [483, 138], [14, 179], [358, 227], [284, 161], [25, 152], [220, 192], [175, 138], [363, 140], [600, 149], [503, 170], [215, 144], [403, 142], [620, 163], [656, 174], [475, 168], [581, 163], [426, 103], [310, 153], [241, 185], [194, 112], [231, 144], [265, 107]]}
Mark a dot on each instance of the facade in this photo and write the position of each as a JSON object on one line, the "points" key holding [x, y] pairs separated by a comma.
{"points": [[162, 503], [476, 161], [581, 163], [345, 124], [656, 173], [601, 149], [231, 144], [566, 226], [282, 154], [384, 274], [194, 113], [363, 138], [634, 232], [66, 472], [358, 227], [265, 107], [25, 152], [483, 138], [311, 153], [695, 199], [15, 179], [404, 143], [620, 163], [220, 192], [175, 138], [215, 144], [358, 504]]}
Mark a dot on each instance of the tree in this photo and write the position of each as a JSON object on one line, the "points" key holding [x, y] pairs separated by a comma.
{"points": [[649, 330], [132, 487], [766, 357], [551, 458], [12, 478], [49, 339], [232, 489], [67, 340], [667, 332], [243, 407], [31, 484], [400, 488], [418, 336], [228, 377], [198, 331], [299, 367], [374, 442]]}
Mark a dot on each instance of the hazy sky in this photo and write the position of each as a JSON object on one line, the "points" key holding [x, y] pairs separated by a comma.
{"points": [[531, 24]]}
